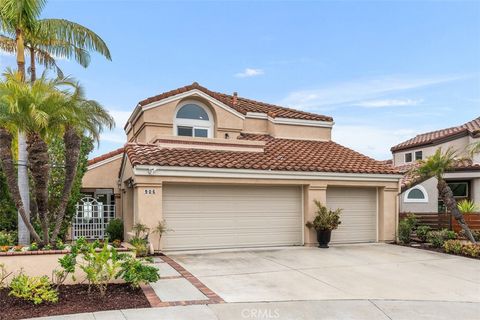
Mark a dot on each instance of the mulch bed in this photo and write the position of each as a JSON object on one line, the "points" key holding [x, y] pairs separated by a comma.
{"points": [[426, 246], [73, 299]]}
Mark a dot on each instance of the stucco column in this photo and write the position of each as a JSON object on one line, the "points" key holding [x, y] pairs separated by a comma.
{"points": [[387, 213], [312, 192], [147, 206]]}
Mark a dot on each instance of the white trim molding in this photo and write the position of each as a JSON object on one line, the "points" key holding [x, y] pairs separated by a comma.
{"points": [[417, 187], [167, 171]]}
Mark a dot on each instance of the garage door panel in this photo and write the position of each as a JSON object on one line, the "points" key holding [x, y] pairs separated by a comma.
{"points": [[231, 216], [359, 214]]}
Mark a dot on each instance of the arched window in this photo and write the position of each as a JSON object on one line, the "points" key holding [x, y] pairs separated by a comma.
{"points": [[416, 194], [193, 120]]}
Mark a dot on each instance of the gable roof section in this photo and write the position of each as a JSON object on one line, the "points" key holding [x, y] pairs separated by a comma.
{"points": [[279, 154], [430, 138], [242, 105], [106, 156]]}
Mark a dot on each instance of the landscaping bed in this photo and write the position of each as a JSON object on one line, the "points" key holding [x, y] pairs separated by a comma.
{"points": [[429, 247], [74, 299]]}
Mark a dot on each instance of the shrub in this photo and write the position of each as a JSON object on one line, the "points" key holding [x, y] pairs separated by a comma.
{"points": [[33, 247], [471, 249], [453, 246], [422, 232], [115, 229], [7, 238], [404, 231], [325, 219], [4, 248], [411, 219], [437, 238], [135, 272], [140, 245], [467, 206], [116, 243], [34, 289]]}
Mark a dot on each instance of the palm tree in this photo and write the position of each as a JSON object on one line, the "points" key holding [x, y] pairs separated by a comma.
{"points": [[44, 38], [44, 110], [436, 166]]}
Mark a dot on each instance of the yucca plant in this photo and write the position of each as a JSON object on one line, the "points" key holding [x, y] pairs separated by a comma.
{"points": [[467, 206]]}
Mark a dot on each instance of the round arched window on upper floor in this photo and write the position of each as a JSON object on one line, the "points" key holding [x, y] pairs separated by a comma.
{"points": [[192, 119]]}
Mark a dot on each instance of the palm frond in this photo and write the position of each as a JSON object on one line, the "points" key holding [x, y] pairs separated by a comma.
{"points": [[75, 34]]}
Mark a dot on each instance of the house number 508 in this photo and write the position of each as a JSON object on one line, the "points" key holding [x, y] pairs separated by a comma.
{"points": [[149, 191]]}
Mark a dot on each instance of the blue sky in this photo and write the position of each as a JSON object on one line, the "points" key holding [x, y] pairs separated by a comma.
{"points": [[384, 70]]}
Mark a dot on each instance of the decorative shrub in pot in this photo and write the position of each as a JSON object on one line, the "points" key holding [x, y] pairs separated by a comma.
{"points": [[325, 221]]}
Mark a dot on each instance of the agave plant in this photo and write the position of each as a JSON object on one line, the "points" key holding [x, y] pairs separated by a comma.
{"points": [[467, 206]]}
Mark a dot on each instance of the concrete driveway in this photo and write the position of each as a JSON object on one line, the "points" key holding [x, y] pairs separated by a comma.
{"points": [[369, 271]]}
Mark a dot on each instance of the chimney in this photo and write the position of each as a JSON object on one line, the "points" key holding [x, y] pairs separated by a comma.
{"points": [[235, 98]]}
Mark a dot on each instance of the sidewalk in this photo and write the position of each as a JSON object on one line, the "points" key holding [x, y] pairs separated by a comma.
{"points": [[296, 310]]}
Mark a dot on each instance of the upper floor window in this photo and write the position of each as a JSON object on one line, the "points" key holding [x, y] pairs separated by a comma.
{"points": [[408, 157], [418, 155], [193, 120]]}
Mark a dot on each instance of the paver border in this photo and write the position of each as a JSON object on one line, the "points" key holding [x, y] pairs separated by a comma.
{"points": [[155, 301]]}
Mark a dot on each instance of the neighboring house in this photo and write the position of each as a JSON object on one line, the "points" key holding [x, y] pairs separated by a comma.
{"points": [[464, 180], [225, 171]]}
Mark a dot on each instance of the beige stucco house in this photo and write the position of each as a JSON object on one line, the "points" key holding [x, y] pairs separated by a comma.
{"points": [[464, 180], [225, 172]]}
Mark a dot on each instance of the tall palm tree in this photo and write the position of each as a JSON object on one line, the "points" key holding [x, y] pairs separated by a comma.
{"points": [[44, 110], [45, 38], [436, 166]]}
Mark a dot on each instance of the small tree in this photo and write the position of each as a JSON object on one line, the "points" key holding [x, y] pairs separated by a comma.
{"points": [[436, 166]]}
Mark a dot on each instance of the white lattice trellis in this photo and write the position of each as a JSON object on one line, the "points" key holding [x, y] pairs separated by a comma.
{"points": [[91, 218]]}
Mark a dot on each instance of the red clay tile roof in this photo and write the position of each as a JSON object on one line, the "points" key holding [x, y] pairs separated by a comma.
{"points": [[279, 154], [106, 156], [469, 128], [242, 105]]}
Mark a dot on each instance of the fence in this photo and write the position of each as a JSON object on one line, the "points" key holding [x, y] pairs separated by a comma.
{"points": [[445, 220]]}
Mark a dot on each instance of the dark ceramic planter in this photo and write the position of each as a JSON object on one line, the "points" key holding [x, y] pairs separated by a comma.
{"points": [[323, 238]]}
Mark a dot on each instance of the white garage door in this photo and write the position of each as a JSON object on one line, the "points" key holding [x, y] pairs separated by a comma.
{"points": [[359, 215], [203, 217]]}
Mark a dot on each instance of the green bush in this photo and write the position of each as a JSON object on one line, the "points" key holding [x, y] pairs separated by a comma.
{"points": [[34, 289], [404, 232], [115, 230], [7, 238], [422, 232], [437, 238], [453, 246], [135, 272]]}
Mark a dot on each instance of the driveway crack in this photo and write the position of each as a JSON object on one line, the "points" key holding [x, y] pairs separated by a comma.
{"points": [[376, 306]]}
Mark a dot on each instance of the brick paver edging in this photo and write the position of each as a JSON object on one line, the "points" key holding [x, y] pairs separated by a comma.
{"points": [[43, 252], [155, 301]]}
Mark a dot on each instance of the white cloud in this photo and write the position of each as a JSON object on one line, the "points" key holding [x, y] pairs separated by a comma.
{"points": [[352, 92], [385, 103], [249, 72], [372, 141]]}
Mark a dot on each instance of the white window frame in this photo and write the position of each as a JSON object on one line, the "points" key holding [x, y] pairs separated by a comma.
{"points": [[193, 123], [461, 182], [418, 187]]}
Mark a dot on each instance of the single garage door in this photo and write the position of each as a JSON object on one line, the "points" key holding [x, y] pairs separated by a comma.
{"points": [[221, 216], [359, 215]]}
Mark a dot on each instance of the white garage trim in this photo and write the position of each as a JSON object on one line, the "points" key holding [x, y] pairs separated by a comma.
{"points": [[170, 171]]}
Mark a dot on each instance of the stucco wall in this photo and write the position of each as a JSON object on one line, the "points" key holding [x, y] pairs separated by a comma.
{"points": [[458, 144], [300, 132], [104, 176], [421, 207]]}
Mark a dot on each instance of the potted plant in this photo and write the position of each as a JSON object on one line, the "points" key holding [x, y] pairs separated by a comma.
{"points": [[325, 221]]}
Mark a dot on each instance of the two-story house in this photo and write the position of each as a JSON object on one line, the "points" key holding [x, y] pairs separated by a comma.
{"points": [[464, 180], [225, 171]]}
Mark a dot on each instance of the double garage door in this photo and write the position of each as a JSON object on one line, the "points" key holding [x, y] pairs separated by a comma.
{"points": [[222, 216]]}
